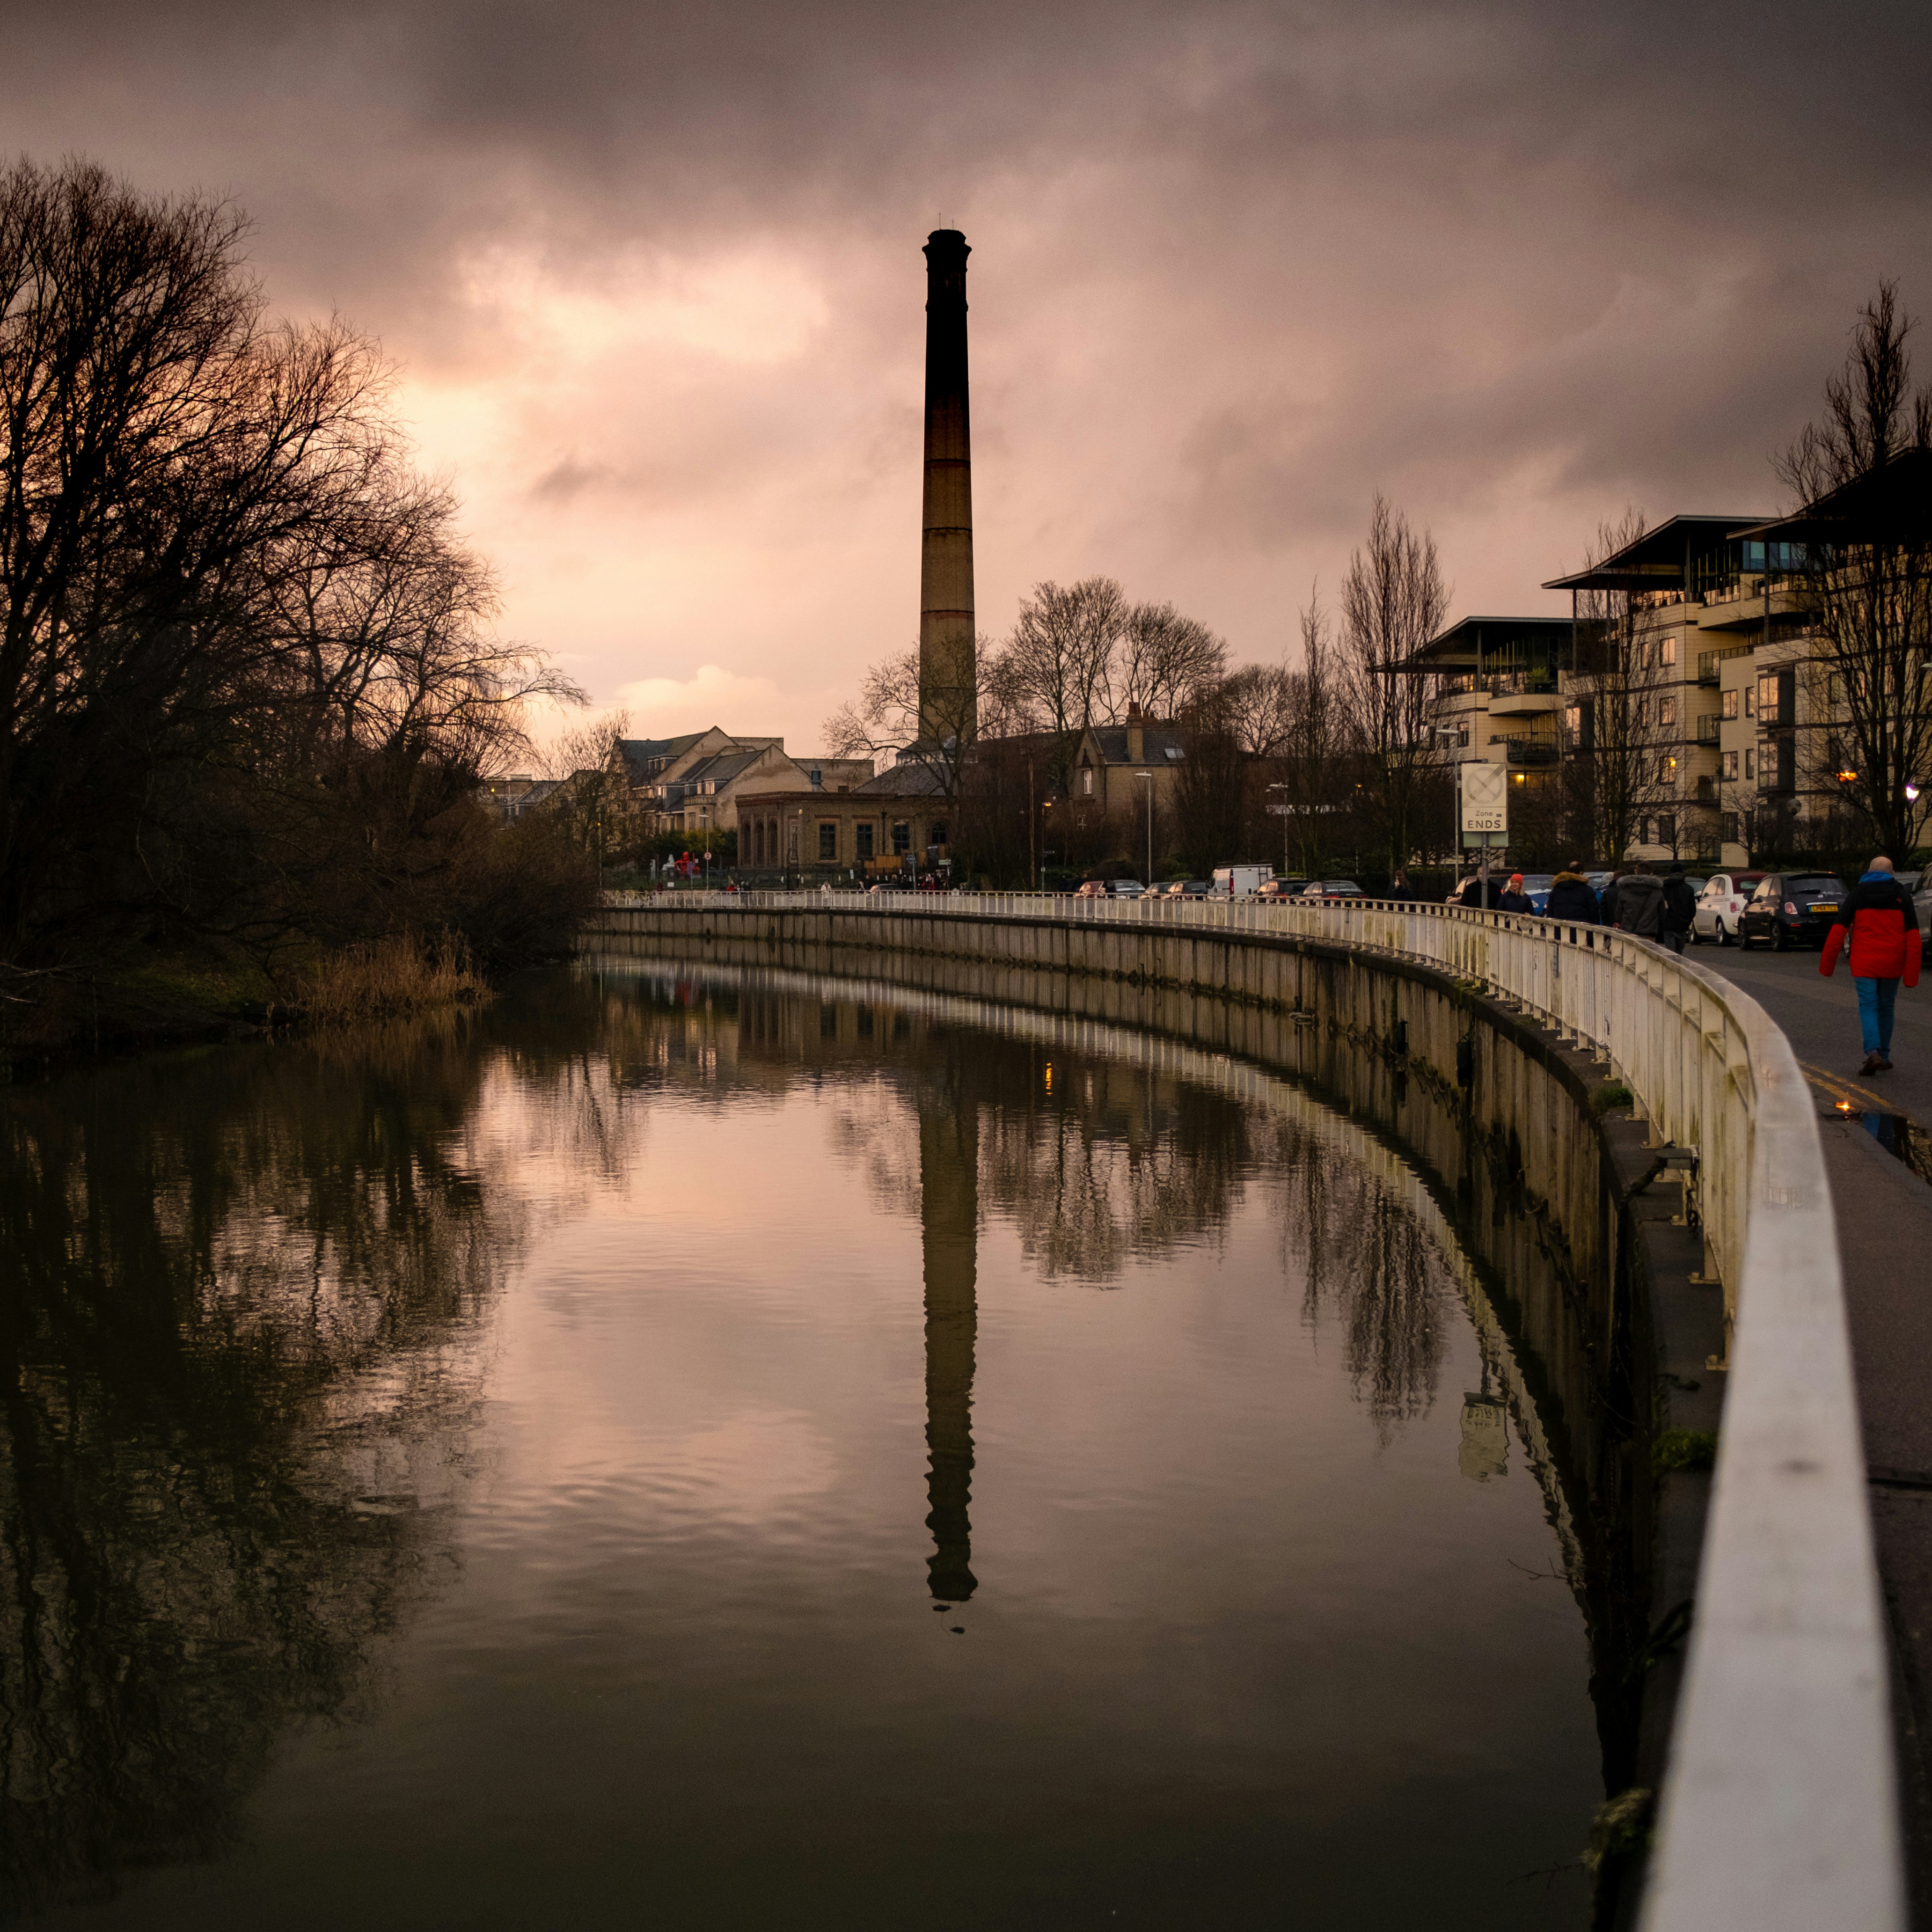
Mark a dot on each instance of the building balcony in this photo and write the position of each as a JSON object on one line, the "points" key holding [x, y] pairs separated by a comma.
{"points": [[1707, 668], [1707, 791], [1529, 752], [1709, 729], [1524, 703]]}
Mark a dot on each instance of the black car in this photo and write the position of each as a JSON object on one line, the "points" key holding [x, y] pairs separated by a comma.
{"points": [[1788, 907]]}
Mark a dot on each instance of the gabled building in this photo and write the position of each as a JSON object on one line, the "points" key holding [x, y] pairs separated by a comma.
{"points": [[696, 784], [1104, 780]]}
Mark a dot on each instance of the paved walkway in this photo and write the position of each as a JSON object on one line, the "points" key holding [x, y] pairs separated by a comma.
{"points": [[1885, 1244]]}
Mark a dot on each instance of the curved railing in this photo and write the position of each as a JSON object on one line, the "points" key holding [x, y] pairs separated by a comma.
{"points": [[1779, 1810]]}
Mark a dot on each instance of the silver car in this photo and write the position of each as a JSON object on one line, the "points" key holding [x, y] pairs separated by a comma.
{"points": [[1720, 907]]}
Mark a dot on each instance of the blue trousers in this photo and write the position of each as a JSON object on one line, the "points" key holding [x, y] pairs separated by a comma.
{"points": [[1876, 1000]]}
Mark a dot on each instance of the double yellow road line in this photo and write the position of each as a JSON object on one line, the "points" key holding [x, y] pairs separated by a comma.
{"points": [[1862, 1100]]}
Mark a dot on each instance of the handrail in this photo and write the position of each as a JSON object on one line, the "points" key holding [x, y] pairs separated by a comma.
{"points": [[1779, 1810]]}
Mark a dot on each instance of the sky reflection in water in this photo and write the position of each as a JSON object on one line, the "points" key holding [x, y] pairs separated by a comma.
{"points": [[503, 1472]]}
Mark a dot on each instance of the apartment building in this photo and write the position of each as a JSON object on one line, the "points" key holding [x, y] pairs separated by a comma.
{"points": [[1691, 642], [1498, 693]]}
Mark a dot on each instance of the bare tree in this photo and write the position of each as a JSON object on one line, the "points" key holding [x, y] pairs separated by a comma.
{"points": [[1161, 663], [885, 718], [1394, 601], [1059, 658], [1259, 701], [1315, 742], [1619, 767], [238, 641], [1862, 552]]}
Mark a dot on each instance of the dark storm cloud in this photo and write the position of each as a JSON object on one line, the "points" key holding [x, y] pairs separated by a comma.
{"points": [[1236, 265]]}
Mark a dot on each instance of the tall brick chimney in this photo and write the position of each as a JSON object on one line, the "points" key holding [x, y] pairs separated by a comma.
{"points": [[947, 706]]}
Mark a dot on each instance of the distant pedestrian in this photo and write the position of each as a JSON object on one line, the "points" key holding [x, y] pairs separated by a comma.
{"points": [[1472, 893], [1572, 897], [1679, 909], [1400, 890], [1513, 898], [1639, 900], [1877, 916]]}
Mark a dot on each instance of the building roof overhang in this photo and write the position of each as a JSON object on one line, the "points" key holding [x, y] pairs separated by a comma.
{"points": [[1654, 562], [1461, 647]]}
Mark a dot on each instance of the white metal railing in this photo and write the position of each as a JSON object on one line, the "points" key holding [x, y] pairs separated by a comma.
{"points": [[1780, 1807]]}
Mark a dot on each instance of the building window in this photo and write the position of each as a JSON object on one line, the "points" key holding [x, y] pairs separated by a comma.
{"points": [[1666, 711], [1728, 767], [1667, 771], [864, 833], [828, 839], [1751, 703], [1835, 689], [1666, 651], [1086, 780], [1642, 713], [1727, 827], [1730, 704], [937, 835], [1750, 764], [901, 837], [1666, 828]]}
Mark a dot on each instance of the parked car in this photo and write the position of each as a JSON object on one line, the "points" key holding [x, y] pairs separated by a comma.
{"points": [[1790, 906], [1332, 889], [1189, 888], [1719, 911], [1090, 889], [1537, 887], [1283, 889], [1124, 888], [1922, 904]]}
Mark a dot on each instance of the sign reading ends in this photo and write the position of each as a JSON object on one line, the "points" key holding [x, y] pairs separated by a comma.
{"points": [[1485, 797]]}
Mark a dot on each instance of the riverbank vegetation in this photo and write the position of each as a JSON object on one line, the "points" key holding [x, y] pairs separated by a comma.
{"points": [[249, 676]]}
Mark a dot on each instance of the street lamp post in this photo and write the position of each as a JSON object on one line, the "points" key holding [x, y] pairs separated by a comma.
{"points": [[1149, 777]]}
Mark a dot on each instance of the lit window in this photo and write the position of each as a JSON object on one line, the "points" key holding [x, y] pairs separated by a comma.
{"points": [[1087, 781], [1666, 651]]}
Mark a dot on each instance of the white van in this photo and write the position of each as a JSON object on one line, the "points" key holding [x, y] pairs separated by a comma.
{"points": [[1238, 882]]}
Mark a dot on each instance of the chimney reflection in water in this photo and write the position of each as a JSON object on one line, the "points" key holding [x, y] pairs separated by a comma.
{"points": [[949, 1165]]}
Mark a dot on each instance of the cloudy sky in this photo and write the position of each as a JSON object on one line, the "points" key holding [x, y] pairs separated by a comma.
{"points": [[652, 273]]}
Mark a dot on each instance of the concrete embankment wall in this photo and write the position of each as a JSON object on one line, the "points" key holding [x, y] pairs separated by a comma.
{"points": [[1555, 1194]]}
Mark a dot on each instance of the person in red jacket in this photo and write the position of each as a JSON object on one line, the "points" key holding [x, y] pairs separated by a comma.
{"points": [[1878, 917]]}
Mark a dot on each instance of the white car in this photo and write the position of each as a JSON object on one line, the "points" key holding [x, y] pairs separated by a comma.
{"points": [[1720, 906]]}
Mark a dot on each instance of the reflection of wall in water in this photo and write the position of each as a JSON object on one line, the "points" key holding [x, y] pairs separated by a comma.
{"points": [[1381, 1038]]}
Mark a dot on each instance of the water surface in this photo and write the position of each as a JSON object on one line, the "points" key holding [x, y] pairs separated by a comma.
{"points": [[696, 1450]]}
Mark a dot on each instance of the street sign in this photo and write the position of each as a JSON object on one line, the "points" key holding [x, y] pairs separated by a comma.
{"points": [[1485, 799]]}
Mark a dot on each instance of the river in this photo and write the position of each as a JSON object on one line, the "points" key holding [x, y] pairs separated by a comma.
{"points": [[685, 1448]]}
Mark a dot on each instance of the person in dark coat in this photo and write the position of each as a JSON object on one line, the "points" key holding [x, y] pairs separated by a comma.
{"points": [[1679, 909], [1572, 898], [1514, 898], [1878, 917], [1640, 901], [1400, 890], [1471, 894]]}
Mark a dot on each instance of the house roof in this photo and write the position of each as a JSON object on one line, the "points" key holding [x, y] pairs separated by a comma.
{"points": [[1160, 744], [721, 767], [1656, 560], [910, 778]]}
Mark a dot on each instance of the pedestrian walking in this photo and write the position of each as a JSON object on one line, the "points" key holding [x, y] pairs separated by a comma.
{"points": [[1877, 917], [1400, 891], [1572, 897], [1679, 908], [1639, 901], [1514, 898]]}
